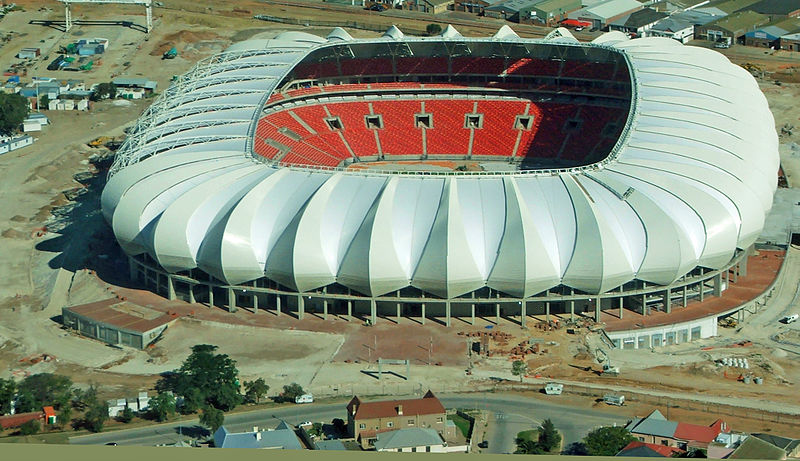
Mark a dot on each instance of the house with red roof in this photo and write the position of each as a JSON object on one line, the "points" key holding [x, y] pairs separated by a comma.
{"points": [[656, 429], [49, 415], [649, 450], [365, 420]]}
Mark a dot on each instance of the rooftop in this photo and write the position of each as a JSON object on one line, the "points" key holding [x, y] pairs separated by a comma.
{"points": [[409, 437], [427, 405], [741, 20], [648, 450], [122, 315], [656, 424], [282, 437], [755, 448], [781, 7], [640, 18], [612, 8]]}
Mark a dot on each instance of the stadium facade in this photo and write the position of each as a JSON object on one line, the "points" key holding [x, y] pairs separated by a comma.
{"points": [[447, 176]]}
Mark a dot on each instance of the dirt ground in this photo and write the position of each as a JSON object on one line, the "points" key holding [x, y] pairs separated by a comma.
{"points": [[74, 262]]}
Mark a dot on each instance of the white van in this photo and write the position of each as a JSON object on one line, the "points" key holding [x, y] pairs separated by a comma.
{"points": [[790, 318], [305, 398], [553, 388], [614, 399]]}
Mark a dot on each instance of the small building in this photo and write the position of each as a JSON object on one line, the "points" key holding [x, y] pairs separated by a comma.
{"points": [[602, 14], [474, 6], [638, 22], [428, 6], [769, 36], [733, 26], [49, 415], [329, 445], [677, 29], [9, 143], [29, 53], [411, 440], [30, 126], [366, 419], [777, 9], [755, 448], [280, 438], [649, 450], [117, 322], [143, 83], [789, 445], [790, 42], [656, 429], [731, 6], [511, 10], [550, 12]]}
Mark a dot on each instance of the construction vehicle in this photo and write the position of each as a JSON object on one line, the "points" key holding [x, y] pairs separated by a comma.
{"points": [[100, 141], [608, 368], [553, 388], [728, 322], [171, 54]]}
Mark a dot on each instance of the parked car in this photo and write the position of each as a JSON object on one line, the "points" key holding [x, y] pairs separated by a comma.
{"points": [[377, 7], [305, 423], [579, 28], [484, 444], [305, 398]]}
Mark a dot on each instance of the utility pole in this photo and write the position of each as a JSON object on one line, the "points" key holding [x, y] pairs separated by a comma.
{"points": [[430, 351]]}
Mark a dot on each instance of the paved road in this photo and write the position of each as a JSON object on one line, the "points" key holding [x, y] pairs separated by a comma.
{"points": [[518, 413]]}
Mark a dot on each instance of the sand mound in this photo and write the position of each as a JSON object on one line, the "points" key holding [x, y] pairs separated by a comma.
{"points": [[182, 37], [13, 234]]}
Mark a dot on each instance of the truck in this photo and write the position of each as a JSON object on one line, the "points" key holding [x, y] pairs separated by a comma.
{"points": [[171, 54], [723, 42], [790, 318], [553, 388], [614, 399], [305, 398]]}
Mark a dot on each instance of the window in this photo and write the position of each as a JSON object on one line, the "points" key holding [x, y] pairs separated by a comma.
{"points": [[641, 439], [439, 419], [473, 121], [389, 424], [665, 443], [362, 426], [334, 123], [427, 449], [374, 122], [413, 449], [523, 122], [423, 121], [410, 422]]}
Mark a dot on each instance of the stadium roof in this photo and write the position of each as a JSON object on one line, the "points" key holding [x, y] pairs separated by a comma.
{"points": [[687, 183]]}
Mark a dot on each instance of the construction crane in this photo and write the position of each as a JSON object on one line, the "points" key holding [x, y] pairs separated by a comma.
{"points": [[608, 368], [148, 5]]}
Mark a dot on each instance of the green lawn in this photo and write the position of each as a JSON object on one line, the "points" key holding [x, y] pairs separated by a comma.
{"points": [[61, 438], [532, 435], [461, 423]]}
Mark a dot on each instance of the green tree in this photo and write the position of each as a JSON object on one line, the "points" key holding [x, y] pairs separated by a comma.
{"points": [[30, 428], [254, 391], [209, 378], [96, 416], [26, 402], [7, 391], [44, 102], [212, 418], [103, 91], [291, 392], [549, 438], [45, 389], [433, 29], [82, 400], [519, 368], [13, 110], [162, 406], [126, 416], [607, 441], [65, 415], [528, 447]]}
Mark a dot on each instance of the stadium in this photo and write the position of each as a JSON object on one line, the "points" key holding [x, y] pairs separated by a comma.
{"points": [[447, 176]]}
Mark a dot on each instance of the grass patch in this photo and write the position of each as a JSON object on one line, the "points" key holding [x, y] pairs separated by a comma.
{"points": [[530, 435], [60, 438], [461, 423]]}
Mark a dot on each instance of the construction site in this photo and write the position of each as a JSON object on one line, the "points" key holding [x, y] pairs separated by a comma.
{"points": [[59, 252]]}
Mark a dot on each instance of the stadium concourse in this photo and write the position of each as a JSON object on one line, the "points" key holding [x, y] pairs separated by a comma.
{"points": [[448, 176]]}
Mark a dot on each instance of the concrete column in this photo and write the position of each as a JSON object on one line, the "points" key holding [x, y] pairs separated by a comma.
{"points": [[210, 296], [278, 304], [571, 305], [133, 268], [231, 300], [170, 288], [447, 312], [325, 304], [523, 312], [718, 284], [620, 307], [255, 303], [119, 336], [373, 308], [668, 300], [597, 309], [702, 287], [736, 274], [473, 309], [158, 283], [423, 314], [349, 309], [547, 310], [398, 307], [497, 310], [685, 296], [301, 307], [743, 265], [727, 277], [191, 294]]}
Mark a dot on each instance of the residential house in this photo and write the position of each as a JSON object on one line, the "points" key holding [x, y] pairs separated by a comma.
{"points": [[733, 26], [724, 444], [366, 419], [777, 9], [649, 450], [656, 429], [280, 438], [637, 23], [755, 448], [602, 14], [413, 440], [790, 446], [769, 36]]}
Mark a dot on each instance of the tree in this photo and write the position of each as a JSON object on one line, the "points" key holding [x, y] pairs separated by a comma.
{"points": [[65, 415], [255, 390], [162, 406], [205, 378], [528, 447], [519, 368], [433, 29], [96, 416], [607, 441], [291, 392], [30, 428], [13, 110], [26, 402], [44, 102], [103, 91], [126, 416], [45, 389], [212, 418], [7, 391], [82, 400], [549, 438]]}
